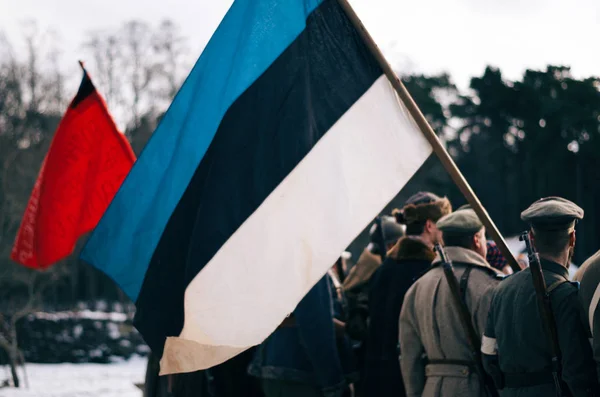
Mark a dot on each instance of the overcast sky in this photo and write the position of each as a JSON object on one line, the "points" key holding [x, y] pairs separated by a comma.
{"points": [[458, 36]]}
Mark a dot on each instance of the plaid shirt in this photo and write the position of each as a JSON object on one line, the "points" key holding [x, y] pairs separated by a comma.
{"points": [[494, 257]]}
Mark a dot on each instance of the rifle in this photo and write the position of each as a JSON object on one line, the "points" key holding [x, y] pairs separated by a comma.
{"points": [[465, 319], [543, 298], [381, 238], [339, 268]]}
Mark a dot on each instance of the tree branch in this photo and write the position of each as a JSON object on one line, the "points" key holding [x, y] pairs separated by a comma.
{"points": [[5, 172]]}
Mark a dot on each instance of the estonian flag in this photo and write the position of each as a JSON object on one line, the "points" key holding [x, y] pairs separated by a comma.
{"points": [[283, 143]]}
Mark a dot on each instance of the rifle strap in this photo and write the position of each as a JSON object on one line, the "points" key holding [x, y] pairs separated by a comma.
{"points": [[463, 284], [555, 285]]}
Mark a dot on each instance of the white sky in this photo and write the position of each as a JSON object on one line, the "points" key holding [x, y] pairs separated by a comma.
{"points": [[458, 36]]}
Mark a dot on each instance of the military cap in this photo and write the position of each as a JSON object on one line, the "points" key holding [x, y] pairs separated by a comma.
{"points": [[463, 221], [552, 213]]}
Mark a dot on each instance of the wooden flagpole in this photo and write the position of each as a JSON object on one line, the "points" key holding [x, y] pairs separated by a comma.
{"points": [[430, 135]]}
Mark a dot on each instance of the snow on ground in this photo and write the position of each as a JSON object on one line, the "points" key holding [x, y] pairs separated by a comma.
{"points": [[87, 314], [81, 380]]}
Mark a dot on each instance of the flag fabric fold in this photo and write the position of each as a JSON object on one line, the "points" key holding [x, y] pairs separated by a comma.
{"points": [[87, 161], [283, 143]]}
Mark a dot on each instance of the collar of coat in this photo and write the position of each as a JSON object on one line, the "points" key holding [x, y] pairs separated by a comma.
{"points": [[554, 268], [464, 255], [412, 248], [362, 271]]}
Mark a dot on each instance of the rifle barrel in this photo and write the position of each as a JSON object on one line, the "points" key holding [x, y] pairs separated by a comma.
{"points": [[543, 299]]}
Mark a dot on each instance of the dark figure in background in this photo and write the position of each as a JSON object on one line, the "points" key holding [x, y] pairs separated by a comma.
{"points": [[302, 357], [356, 287], [357, 282], [344, 343], [195, 384], [407, 261], [516, 345], [229, 379]]}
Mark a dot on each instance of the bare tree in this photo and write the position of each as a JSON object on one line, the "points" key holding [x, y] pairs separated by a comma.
{"points": [[12, 101], [170, 50], [54, 81], [138, 69], [33, 41], [41, 91], [13, 109], [138, 66], [106, 51], [23, 291]]}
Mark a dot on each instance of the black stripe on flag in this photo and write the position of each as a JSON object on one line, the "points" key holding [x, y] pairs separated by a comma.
{"points": [[266, 132], [86, 88]]}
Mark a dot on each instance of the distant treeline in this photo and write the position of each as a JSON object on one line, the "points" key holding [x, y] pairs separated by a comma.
{"points": [[515, 141]]}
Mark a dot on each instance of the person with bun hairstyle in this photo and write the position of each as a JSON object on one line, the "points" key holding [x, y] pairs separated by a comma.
{"points": [[410, 257]]}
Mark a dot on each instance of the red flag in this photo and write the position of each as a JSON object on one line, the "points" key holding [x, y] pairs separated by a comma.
{"points": [[87, 162]]}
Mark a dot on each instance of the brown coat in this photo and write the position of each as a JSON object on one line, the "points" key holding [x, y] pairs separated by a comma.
{"points": [[429, 327], [361, 273]]}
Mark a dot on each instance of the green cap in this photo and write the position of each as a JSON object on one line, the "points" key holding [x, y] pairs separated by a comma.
{"points": [[464, 221], [552, 213]]}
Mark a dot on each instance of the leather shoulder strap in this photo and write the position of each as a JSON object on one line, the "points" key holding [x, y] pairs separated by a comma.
{"points": [[555, 285]]}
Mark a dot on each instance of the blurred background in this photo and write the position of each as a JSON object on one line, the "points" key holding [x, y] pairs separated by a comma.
{"points": [[512, 89]]}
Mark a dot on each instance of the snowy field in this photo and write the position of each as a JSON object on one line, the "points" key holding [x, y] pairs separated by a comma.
{"points": [[81, 380]]}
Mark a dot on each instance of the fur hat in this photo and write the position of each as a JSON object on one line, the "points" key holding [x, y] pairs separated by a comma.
{"points": [[421, 207]]}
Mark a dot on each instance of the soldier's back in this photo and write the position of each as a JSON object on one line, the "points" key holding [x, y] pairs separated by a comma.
{"points": [[520, 335], [429, 323], [523, 347]]}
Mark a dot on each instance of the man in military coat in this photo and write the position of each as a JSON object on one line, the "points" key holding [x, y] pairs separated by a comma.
{"points": [[516, 346], [435, 355]]}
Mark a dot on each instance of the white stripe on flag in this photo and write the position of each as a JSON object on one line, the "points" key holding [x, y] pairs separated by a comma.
{"points": [[265, 268]]}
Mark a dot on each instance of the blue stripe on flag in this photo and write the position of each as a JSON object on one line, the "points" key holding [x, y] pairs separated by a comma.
{"points": [[250, 37]]}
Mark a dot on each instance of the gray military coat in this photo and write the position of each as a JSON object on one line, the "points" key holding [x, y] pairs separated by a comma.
{"points": [[434, 352]]}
